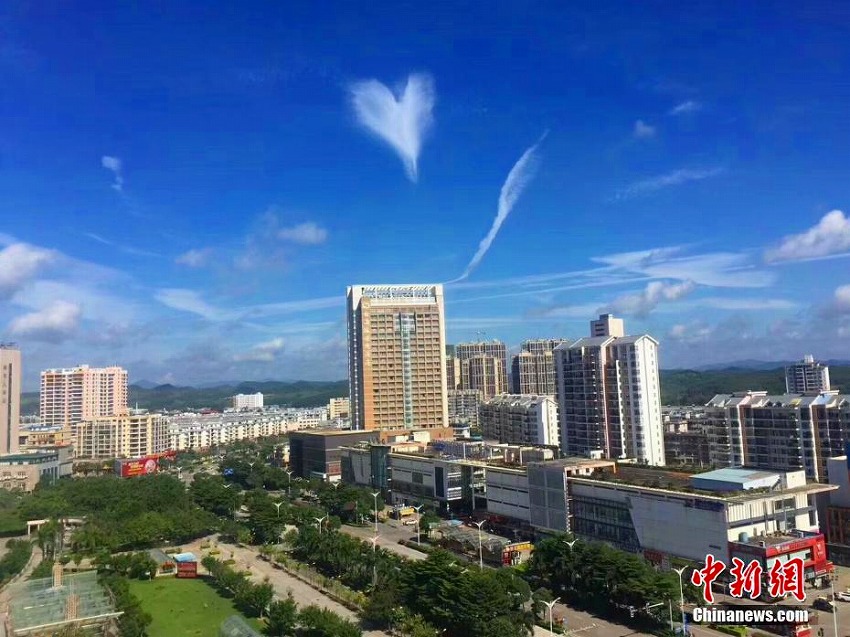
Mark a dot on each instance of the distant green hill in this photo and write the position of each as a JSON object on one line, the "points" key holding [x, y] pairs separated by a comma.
{"points": [[297, 394], [688, 387]]}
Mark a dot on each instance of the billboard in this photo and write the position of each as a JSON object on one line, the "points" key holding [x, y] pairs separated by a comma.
{"points": [[129, 468], [187, 569]]}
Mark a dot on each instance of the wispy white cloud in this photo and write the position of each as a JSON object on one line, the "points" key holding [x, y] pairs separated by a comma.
{"points": [[267, 352], [688, 106], [642, 303], [667, 180], [547, 291], [20, 263], [54, 323], [121, 248], [307, 233], [113, 164], [642, 130], [713, 269], [400, 119], [189, 301], [829, 237], [518, 178], [195, 258], [293, 307], [193, 302], [744, 304]]}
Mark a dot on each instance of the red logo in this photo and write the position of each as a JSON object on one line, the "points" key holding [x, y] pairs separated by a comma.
{"points": [[705, 577], [787, 578], [746, 578]]}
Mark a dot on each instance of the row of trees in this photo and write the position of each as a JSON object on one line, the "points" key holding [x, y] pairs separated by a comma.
{"points": [[354, 562], [120, 514], [252, 599], [603, 579], [285, 620], [423, 598]]}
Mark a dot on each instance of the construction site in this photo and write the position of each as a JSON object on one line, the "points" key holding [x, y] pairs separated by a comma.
{"points": [[59, 605]]}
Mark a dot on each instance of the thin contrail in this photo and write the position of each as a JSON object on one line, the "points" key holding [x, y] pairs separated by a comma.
{"points": [[519, 177]]}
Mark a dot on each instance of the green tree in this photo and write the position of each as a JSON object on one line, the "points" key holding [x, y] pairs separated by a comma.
{"points": [[282, 618], [320, 622]]}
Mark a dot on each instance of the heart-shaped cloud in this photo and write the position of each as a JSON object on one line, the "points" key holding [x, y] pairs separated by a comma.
{"points": [[400, 119]]}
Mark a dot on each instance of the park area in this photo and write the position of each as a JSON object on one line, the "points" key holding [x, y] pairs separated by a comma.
{"points": [[185, 607]]}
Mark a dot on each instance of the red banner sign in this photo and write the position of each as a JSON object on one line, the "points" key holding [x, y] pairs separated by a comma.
{"points": [[187, 569]]}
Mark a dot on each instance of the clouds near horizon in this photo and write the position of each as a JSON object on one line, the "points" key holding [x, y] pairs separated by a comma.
{"points": [[830, 236]]}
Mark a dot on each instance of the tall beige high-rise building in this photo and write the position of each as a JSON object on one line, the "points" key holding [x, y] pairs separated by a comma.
{"points": [[10, 398], [397, 356], [533, 369], [128, 436], [69, 396], [483, 366]]}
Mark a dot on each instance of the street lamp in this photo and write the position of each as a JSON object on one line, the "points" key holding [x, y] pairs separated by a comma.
{"points": [[834, 610], [549, 605], [319, 522], [374, 542], [277, 506], [570, 543], [418, 516], [289, 483], [680, 572], [480, 549], [375, 496]]}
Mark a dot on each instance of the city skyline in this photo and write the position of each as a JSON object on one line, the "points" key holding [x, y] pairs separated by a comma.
{"points": [[194, 213]]}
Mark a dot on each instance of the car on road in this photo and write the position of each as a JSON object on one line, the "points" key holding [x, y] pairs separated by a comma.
{"points": [[409, 522], [843, 596], [822, 603]]}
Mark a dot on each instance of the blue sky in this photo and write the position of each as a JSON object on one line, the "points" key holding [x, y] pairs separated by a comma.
{"points": [[188, 192]]}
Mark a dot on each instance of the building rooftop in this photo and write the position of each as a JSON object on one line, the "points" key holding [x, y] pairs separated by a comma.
{"points": [[666, 480], [777, 539], [736, 474], [574, 462], [830, 398], [333, 432], [518, 400]]}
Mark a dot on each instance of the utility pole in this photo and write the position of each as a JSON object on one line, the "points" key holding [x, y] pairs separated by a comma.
{"points": [[480, 549], [375, 496]]}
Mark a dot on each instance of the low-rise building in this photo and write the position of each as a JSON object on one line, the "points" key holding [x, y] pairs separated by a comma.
{"points": [[23, 471], [520, 419], [781, 547], [317, 453], [36, 435], [204, 431], [507, 493], [672, 514]]}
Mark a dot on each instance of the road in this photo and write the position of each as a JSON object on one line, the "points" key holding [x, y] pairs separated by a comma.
{"points": [[389, 534], [283, 583]]}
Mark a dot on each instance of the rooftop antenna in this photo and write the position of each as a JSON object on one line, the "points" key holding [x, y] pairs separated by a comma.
{"points": [[480, 334]]}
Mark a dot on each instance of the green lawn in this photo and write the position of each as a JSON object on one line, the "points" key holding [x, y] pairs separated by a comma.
{"points": [[184, 607]]}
